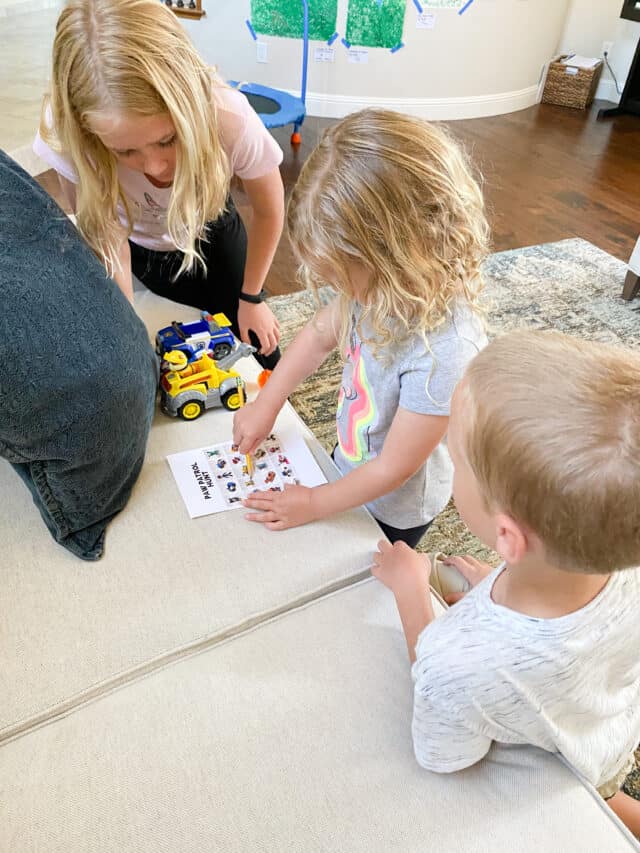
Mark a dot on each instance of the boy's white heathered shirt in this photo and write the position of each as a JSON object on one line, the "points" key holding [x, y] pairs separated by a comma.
{"points": [[251, 150], [569, 685]]}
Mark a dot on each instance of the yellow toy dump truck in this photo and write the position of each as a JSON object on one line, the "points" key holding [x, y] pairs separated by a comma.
{"points": [[188, 388]]}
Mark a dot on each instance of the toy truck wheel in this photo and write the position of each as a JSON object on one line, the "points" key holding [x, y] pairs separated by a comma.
{"points": [[221, 351], [191, 410], [231, 400]]}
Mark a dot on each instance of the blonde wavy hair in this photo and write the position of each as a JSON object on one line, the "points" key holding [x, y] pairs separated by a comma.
{"points": [[134, 57], [552, 434], [393, 195]]}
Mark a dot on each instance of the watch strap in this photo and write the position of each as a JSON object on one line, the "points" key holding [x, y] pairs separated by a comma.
{"points": [[254, 298]]}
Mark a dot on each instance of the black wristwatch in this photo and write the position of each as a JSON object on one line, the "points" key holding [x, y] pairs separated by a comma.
{"points": [[254, 298]]}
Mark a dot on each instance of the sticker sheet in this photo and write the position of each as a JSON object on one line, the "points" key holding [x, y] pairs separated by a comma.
{"points": [[215, 479]]}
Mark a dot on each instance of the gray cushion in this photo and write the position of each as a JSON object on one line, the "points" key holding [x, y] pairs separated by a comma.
{"points": [[77, 375]]}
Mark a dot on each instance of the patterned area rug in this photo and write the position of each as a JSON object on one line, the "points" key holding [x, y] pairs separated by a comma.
{"points": [[571, 286]]}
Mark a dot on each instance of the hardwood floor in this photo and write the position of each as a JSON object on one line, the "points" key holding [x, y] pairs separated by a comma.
{"points": [[553, 173], [549, 173]]}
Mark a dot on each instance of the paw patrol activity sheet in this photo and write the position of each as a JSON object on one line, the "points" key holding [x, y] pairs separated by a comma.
{"points": [[214, 479]]}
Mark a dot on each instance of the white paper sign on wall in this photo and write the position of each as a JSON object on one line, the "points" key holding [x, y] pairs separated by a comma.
{"points": [[262, 51], [358, 56], [324, 54], [426, 21]]}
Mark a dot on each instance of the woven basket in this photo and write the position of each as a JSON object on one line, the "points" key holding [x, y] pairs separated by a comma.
{"points": [[569, 86]]}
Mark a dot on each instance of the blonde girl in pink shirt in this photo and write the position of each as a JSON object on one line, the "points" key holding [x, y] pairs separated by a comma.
{"points": [[145, 139]]}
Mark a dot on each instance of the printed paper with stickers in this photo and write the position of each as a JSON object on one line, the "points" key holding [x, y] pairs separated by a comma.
{"points": [[216, 479]]}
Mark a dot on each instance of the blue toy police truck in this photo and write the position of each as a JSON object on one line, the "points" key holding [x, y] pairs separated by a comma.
{"points": [[211, 334]]}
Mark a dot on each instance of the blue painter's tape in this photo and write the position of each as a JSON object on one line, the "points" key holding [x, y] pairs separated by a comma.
{"points": [[418, 6], [398, 47], [346, 43], [465, 7], [333, 38], [251, 30]]}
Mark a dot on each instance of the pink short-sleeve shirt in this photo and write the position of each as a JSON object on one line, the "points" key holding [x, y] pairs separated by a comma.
{"points": [[251, 150]]}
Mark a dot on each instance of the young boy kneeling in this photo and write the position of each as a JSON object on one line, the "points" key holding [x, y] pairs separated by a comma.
{"points": [[545, 438]]}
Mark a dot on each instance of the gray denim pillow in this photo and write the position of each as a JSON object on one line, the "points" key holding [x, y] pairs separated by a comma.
{"points": [[78, 375]]}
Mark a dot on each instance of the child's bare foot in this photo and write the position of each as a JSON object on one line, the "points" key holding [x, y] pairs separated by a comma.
{"points": [[628, 810], [472, 570], [446, 579]]}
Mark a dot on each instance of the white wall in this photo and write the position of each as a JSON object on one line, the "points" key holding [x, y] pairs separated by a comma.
{"points": [[485, 62], [591, 22]]}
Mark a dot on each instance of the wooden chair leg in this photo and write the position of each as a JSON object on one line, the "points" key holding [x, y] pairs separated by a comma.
{"points": [[631, 285]]}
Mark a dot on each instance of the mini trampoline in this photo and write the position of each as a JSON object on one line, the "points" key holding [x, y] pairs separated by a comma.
{"points": [[275, 107]]}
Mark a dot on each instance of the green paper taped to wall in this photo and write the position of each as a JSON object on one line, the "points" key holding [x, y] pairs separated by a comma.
{"points": [[285, 18], [374, 24]]}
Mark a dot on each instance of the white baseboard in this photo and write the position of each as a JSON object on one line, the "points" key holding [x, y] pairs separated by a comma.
{"points": [[435, 109]]}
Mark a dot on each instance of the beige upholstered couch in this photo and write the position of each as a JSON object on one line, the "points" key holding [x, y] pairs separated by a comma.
{"points": [[210, 686]]}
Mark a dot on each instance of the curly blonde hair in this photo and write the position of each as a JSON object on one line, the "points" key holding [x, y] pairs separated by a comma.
{"points": [[133, 57], [395, 196]]}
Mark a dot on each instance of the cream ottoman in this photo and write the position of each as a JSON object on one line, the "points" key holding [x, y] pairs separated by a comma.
{"points": [[294, 736], [166, 583], [212, 686]]}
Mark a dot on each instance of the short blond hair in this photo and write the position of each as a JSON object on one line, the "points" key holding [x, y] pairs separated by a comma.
{"points": [[552, 434], [134, 57], [397, 196]]}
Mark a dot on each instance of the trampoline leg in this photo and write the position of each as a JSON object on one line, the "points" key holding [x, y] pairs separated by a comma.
{"points": [[296, 136]]}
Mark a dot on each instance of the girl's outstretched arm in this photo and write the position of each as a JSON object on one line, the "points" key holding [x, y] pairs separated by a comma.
{"points": [[302, 358], [409, 443]]}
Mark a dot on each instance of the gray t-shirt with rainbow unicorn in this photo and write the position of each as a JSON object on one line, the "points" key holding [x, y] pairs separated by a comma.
{"points": [[419, 380]]}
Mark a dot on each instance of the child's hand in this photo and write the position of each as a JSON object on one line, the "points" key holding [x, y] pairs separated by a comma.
{"points": [[406, 574], [471, 569], [261, 319], [251, 425], [401, 569], [281, 510]]}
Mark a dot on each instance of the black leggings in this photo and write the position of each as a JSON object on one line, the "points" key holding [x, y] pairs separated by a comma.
{"points": [[216, 290], [410, 535]]}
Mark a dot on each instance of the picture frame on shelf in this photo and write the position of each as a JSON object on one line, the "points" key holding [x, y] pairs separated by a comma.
{"points": [[186, 8]]}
